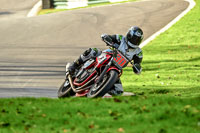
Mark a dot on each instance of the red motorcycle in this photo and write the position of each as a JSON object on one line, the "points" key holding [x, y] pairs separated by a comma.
{"points": [[96, 76]]}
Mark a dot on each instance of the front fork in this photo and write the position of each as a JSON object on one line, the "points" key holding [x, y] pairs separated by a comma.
{"points": [[104, 71]]}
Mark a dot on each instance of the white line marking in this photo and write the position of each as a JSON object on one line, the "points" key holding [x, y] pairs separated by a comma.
{"points": [[37, 7], [191, 5]]}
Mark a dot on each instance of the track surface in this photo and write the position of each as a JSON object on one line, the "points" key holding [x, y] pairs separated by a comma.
{"points": [[34, 51], [12, 9]]}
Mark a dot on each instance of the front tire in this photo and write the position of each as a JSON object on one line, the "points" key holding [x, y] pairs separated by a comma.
{"points": [[65, 91], [100, 89]]}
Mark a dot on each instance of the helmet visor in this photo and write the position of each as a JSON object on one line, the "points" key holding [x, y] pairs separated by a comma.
{"points": [[135, 37], [135, 40]]}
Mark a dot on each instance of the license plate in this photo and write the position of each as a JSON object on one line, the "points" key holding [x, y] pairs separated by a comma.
{"points": [[120, 61]]}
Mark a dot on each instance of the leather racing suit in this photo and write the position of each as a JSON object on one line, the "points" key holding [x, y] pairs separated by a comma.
{"points": [[119, 42]]}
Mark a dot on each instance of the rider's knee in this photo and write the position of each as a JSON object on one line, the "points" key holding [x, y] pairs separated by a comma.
{"points": [[90, 53]]}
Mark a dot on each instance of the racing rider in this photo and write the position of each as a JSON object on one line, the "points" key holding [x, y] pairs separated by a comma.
{"points": [[128, 45]]}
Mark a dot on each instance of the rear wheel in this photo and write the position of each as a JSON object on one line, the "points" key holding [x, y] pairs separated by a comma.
{"points": [[101, 88], [65, 90]]}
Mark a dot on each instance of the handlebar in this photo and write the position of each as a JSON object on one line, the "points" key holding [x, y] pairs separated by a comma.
{"points": [[110, 44]]}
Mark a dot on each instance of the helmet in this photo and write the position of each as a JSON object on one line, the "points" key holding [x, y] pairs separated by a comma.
{"points": [[134, 37]]}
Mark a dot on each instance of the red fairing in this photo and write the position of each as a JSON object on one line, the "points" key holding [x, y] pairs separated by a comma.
{"points": [[92, 65], [114, 68], [103, 58], [107, 57]]}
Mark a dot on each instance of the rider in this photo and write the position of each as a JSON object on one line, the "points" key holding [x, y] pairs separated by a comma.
{"points": [[128, 45]]}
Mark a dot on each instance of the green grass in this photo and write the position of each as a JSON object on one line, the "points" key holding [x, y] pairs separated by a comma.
{"points": [[167, 100], [171, 63], [137, 114], [47, 11]]}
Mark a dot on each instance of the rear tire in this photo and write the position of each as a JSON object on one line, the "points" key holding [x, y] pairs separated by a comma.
{"points": [[100, 89], [65, 91]]}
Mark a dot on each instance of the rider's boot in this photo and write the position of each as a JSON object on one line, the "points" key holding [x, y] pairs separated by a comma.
{"points": [[75, 65], [117, 89]]}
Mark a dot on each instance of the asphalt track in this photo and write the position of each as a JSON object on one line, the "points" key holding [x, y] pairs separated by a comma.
{"points": [[34, 51]]}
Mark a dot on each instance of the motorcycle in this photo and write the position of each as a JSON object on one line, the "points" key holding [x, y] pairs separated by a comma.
{"points": [[95, 77]]}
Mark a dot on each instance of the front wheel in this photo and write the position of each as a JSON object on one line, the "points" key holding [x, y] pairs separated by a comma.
{"points": [[101, 88], [65, 90]]}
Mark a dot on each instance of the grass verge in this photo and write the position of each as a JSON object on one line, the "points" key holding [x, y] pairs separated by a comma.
{"points": [[47, 11], [138, 114], [171, 64]]}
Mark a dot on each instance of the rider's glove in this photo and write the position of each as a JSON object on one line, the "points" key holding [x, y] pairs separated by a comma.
{"points": [[106, 38], [103, 36], [137, 68]]}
